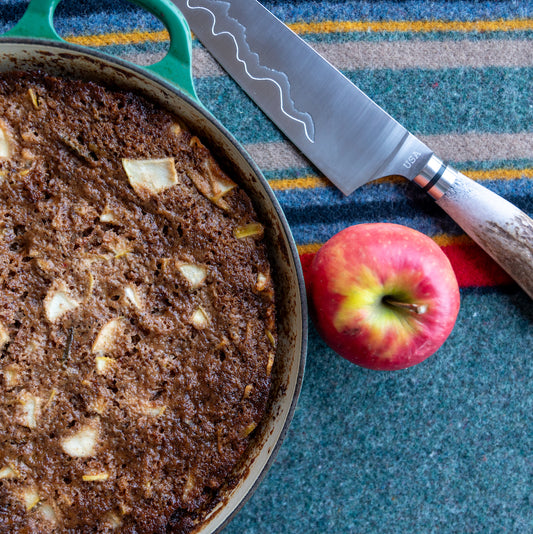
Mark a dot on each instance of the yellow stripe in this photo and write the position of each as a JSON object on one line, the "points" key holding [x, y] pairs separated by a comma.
{"points": [[311, 182], [107, 39], [311, 248], [500, 174], [413, 26], [306, 182], [443, 240], [325, 27]]}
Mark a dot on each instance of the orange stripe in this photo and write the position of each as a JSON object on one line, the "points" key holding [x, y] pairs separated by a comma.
{"points": [[312, 182]]}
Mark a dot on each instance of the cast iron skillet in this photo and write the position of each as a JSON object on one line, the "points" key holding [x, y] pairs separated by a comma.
{"points": [[34, 44]]}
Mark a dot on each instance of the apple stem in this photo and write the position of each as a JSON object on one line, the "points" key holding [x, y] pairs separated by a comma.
{"points": [[412, 307]]}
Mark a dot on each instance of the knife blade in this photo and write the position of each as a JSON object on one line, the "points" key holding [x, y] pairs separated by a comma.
{"points": [[342, 131], [287, 79]]}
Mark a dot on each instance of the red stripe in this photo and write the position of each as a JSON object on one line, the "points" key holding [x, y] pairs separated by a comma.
{"points": [[472, 266]]}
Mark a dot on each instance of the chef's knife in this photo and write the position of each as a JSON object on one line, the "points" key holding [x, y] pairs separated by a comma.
{"points": [[343, 132]]}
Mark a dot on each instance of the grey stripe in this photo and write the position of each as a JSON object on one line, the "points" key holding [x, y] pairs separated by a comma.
{"points": [[428, 54], [355, 55], [450, 147], [404, 55]]}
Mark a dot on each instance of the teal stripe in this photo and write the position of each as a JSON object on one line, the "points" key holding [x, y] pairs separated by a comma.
{"points": [[454, 100], [224, 98], [518, 164], [375, 37], [427, 102]]}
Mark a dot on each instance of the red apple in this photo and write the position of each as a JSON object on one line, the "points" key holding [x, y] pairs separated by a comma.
{"points": [[383, 296]]}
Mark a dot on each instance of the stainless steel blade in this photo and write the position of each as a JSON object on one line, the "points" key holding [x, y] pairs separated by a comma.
{"points": [[341, 130]]}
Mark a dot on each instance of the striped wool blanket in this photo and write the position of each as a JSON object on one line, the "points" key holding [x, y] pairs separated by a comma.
{"points": [[446, 446]]}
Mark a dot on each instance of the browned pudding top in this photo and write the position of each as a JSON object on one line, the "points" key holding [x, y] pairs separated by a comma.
{"points": [[137, 324]]}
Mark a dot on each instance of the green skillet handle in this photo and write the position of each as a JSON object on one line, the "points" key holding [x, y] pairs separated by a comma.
{"points": [[176, 65], [38, 22]]}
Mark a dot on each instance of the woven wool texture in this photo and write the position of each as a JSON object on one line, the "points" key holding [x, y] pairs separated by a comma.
{"points": [[446, 446]]}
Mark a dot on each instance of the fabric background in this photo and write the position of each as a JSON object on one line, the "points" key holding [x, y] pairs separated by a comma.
{"points": [[445, 446]]}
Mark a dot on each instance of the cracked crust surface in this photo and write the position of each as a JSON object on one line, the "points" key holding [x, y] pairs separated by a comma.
{"points": [[137, 323]]}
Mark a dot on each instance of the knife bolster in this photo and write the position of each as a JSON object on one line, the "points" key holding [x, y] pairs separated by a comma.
{"points": [[435, 178]]}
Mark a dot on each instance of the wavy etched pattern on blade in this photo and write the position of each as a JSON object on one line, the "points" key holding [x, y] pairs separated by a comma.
{"points": [[252, 63]]}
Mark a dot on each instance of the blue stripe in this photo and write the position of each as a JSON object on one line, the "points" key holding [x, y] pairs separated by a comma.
{"points": [[320, 232], [93, 16], [138, 20], [324, 10], [89, 17], [317, 214], [518, 191], [405, 10]]}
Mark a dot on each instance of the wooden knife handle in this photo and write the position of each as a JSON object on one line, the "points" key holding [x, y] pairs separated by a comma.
{"points": [[500, 228]]}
